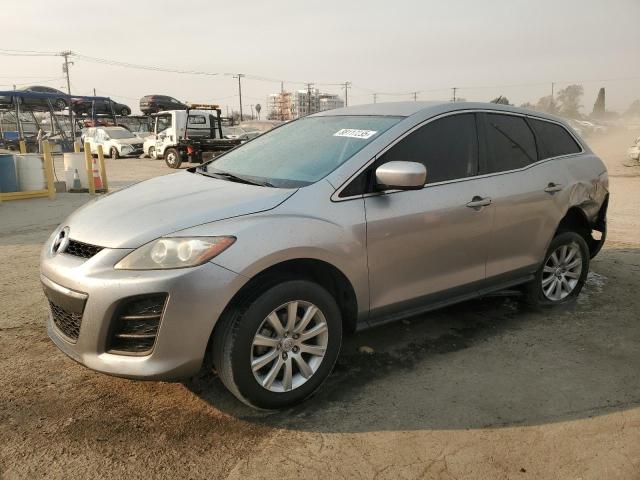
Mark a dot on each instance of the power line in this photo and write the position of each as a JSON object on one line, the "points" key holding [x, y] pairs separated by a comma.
{"points": [[109, 62], [27, 53], [38, 80]]}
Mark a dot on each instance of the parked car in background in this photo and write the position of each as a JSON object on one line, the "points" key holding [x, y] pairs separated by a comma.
{"points": [[634, 150], [83, 106], [263, 257], [116, 141], [586, 128], [238, 133], [158, 103], [59, 102], [149, 146]]}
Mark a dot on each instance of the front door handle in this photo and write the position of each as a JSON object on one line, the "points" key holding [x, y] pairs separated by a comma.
{"points": [[478, 202], [553, 188]]}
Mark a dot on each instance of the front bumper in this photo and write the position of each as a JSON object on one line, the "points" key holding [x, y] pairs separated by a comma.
{"points": [[196, 298]]}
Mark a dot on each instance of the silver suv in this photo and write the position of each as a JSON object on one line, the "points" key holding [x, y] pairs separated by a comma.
{"points": [[334, 222]]}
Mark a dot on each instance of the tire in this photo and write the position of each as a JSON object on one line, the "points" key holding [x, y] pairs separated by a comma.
{"points": [[125, 112], [60, 104], [152, 153], [234, 350], [113, 153], [172, 158], [571, 276]]}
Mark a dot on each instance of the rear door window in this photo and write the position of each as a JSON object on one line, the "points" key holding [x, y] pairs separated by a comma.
{"points": [[448, 148], [510, 143], [553, 139]]}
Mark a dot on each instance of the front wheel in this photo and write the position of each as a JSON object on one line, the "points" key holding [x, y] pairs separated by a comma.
{"points": [[152, 153], [563, 273], [113, 153], [172, 158], [125, 112], [277, 349]]}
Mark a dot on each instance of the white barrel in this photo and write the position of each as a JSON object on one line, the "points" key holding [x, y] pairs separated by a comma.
{"points": [[73, 162], [30, 170]]}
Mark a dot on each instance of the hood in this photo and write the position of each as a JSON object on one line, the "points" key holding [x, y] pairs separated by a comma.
{"points": [[127, 141], [143, 212]]}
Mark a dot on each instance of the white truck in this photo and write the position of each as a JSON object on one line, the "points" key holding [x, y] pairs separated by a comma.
{"points": [[184, 135]]}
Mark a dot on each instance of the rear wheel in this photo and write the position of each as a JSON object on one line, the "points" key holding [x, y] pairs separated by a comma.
{"points": [[563, 272], [172, 158], [275, 350], [60, 104], [113, 153], [125, 112]]}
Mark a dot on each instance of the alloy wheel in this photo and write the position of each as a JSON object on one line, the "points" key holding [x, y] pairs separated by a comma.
{"points": [[561, 272], [289, 346]]}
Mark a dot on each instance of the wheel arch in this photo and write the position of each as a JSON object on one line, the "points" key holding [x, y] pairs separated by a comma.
{"points": [[576, 220], [319, 271]]}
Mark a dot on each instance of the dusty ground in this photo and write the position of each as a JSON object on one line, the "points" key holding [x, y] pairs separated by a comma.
{"points": [[486, 389]]}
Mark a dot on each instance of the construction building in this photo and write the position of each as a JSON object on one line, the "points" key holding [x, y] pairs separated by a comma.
{"points": [[289, 105], [280, 106]]}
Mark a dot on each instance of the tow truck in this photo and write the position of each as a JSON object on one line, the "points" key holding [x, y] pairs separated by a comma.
{"points": [[193, 135]]}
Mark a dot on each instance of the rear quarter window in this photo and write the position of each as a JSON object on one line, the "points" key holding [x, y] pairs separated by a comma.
{"points": [[554, 139]]}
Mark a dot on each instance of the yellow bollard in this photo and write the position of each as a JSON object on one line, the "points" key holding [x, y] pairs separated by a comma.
{"points": [[103, 169], [48, 168], [23, 146], [76, 146], [89, 164]]}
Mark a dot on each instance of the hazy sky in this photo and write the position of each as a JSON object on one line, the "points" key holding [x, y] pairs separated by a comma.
{"points": [[381, 46]]}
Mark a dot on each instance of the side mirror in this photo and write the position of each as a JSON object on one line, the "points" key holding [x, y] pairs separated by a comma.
{"points": [[401, 175]]}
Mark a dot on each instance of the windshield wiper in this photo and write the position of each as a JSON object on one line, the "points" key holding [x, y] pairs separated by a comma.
{"points": [[234, 178]]}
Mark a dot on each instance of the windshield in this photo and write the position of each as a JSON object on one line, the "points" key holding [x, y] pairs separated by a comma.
{"points": [[120, 133], [304, 151]]}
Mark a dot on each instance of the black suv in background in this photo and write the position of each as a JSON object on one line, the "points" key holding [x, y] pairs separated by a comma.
{"points": [[82, 106], [157, 103]]}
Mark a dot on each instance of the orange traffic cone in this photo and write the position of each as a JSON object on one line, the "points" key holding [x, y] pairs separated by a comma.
{"points": [[97, 181]]}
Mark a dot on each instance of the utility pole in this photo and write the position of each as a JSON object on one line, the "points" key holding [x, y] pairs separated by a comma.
{"points": [[94, 91], [375, 97], [65, 69], [309, 85], [454, 93], [415, 96], [239, 77], [552, 87], [251, 111], [227, 111], [347, 86], [281, 101]]}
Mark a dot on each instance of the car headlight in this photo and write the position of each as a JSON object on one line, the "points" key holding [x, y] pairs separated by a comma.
{"points": [[175, 252]]}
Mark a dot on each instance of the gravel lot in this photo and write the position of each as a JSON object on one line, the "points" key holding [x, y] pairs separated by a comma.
{"points": [[486, 389]]}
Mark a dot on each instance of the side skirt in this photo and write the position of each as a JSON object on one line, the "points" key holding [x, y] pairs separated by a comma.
{"points": [[444, 299]]}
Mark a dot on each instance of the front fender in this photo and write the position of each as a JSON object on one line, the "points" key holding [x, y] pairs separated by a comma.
{"points": [[269, 238]]}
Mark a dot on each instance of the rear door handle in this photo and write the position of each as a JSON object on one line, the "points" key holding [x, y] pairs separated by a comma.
{"points": [[553, 188], [478, 202]]}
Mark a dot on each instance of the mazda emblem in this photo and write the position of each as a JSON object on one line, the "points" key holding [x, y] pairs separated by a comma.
{"points": [[61, 242]]}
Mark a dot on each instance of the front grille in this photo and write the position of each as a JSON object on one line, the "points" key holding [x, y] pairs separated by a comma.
{"points": [[135, 324], [82, 250], [67, 322]]}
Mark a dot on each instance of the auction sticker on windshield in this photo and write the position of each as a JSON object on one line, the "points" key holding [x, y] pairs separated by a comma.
{"points": [[355, 133]]}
